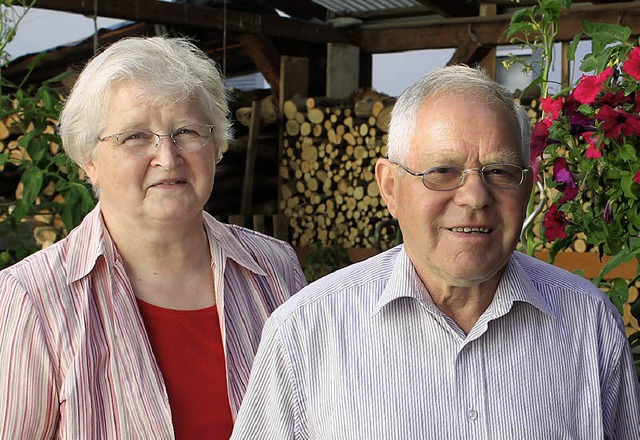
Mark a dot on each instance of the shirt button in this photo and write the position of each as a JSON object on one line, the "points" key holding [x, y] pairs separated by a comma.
{"points": [[472, 414]]}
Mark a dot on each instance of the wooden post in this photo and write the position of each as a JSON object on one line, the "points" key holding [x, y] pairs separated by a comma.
{"points": [[294, 78], [343, 70], [566, 66], [488, 63], [250, 163]]}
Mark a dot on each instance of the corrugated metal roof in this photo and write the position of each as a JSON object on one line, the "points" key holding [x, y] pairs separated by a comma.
{"points": [[355, 6]]}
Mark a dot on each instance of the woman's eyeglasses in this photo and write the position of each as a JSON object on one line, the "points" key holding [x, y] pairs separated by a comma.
{"points": [[141, 143]]}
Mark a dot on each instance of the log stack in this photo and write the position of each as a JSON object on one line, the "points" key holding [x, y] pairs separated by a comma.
{"points": [[330, 147]]}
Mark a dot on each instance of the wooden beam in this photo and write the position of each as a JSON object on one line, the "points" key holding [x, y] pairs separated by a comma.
{"points": [[305, 9], [265, 56], [452, 8], [469, 53], [448, 33], [206, 17]]}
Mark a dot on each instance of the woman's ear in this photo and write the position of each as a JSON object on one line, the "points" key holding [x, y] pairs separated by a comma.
{"points": [[387, 178], [92, 173]]}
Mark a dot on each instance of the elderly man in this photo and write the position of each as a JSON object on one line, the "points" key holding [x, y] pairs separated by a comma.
{"points": [[451, 335]]}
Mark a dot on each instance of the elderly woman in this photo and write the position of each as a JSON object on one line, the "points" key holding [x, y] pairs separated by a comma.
{"points": [[142, 323]]}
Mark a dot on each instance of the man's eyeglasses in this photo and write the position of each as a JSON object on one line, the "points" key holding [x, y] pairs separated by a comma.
{"points": [[140, 143], [446, 178]]}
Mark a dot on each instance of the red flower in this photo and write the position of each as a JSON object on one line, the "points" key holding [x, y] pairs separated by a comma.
{"points": [[632, 65], [563, 176], [589, 86], [539, 139], [554, 223], [636, 178], [595, 145], [552, 107], [616, 123], [613, 99], [636, 104]]}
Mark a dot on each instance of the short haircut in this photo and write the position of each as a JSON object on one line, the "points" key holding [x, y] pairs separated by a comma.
{"points": [[164, 68], [458, 79]]}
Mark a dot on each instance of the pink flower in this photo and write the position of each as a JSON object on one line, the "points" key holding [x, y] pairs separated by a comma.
{"points": [[563, 176], [589, 86], [636, 177], [595, 145], [632, 65], [552, 107], [554, 223]]}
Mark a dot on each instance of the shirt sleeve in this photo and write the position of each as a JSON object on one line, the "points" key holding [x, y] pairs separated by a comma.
{"points": [[28, 397], [622, 399], [270, 409]]}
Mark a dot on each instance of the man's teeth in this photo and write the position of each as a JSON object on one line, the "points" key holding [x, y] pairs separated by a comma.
{"points": [[470, 230]]}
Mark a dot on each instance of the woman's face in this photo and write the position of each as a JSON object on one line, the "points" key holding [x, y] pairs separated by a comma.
{"points": [[168, 186]]}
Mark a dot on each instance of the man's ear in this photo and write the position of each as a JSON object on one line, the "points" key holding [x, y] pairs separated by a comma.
{"points": [[387, 178]]}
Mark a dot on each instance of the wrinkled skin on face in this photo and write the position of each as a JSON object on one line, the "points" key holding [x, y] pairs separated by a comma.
{"points": [[463, 238]]}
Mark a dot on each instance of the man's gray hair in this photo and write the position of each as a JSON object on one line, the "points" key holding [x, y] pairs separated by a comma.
{"points": [[459, 79]]}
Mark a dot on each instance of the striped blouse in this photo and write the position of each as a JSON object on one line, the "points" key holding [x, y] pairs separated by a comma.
{"points": [[75, 360], [364, 354]]}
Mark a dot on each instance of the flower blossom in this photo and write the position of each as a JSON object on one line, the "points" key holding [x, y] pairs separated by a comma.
{"points": [[563, 176], [595, 145], [554, 223], [617, 123], [632, 65], [636, 177], [552, 107], [539, 139], [589, 86], [607, 214]]}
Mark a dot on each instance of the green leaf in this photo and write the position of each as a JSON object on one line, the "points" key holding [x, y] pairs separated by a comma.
{"points": [[618, 293], [622, 257], [573, 46], [606, 33], [589, 63], [625, 183], [32, 181], [628, 152]]}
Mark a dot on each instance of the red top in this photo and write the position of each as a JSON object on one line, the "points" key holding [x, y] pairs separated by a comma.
{"points": [[189, 351]]}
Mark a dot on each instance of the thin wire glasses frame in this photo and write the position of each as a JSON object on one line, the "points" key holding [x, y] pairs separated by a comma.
{"points": [[447, 178], [143, 143]]}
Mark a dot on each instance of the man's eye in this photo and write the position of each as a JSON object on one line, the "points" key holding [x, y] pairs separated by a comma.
{"points": [[444, 170]]}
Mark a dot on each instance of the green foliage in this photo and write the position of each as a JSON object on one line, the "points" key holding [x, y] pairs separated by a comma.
{"points": [[51, 186], [321, 260]]}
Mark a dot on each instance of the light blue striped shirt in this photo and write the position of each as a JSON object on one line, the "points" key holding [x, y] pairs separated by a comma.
{"points": [[364, 354]]}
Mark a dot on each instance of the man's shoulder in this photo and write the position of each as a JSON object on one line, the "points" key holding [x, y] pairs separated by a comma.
{"points": [[558, 285], [342, 287]]}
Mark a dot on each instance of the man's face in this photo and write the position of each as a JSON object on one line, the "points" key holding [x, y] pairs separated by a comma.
{"points": [[462, 237]]}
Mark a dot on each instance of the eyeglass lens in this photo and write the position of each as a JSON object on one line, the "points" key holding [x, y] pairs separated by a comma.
{"points": [[501, 176], [142, 143]]}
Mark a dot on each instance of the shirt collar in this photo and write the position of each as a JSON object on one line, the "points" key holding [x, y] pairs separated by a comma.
{"points": [[224, 244], [514, 286], [87, 243], [91, 240], [403, 283]]}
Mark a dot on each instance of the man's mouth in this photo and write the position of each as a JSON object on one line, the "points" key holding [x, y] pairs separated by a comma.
{"points": [[472, 230]]}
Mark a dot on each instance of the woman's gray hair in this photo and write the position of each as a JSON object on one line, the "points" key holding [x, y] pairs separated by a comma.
{"points": [[459, 79], [172, 68]]}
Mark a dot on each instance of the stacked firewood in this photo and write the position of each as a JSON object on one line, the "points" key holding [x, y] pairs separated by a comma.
{"points": [[330, 147]]}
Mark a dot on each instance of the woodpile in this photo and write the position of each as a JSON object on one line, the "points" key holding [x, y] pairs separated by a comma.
{"points": [[328, 188]]}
